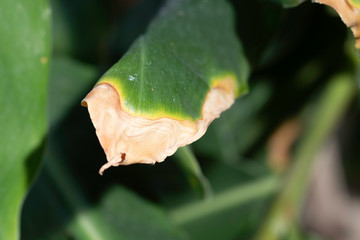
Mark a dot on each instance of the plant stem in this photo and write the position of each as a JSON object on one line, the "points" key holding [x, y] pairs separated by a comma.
{"points": [[187, 161], [225, 200], [287, 208]]}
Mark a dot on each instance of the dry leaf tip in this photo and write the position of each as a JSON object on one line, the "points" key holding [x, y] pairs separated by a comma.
{"points": [[128, 139]]}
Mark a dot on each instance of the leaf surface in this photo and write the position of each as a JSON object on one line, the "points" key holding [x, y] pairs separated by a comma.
{"points": [[136, 218], [188, 49], [171, 84], [59, 201], [189, 165], [24, 54]]}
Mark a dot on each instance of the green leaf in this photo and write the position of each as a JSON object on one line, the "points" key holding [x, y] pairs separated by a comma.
{"points": [[355, 3], [191, 168], [45, 205], [188, 49], [136, 218], [24, 57], [229, 212], [58, 200], [172, 83]]}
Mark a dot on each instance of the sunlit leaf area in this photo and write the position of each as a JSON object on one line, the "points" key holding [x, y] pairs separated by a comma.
{"points": [[280, 163]]}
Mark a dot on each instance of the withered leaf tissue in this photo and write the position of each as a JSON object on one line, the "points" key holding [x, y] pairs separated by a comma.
{"points": [[128, 139]]}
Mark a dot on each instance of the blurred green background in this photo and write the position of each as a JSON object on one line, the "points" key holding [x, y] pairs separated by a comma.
{"points": [[282, 163]]}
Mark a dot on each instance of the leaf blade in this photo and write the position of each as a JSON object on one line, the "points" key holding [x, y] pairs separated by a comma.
{"points": [[24, 55], [173, 82], [184, 53]]}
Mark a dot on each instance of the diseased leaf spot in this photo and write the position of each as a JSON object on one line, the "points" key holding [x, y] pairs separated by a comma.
{"points": [[128, 139], [123, 156]]}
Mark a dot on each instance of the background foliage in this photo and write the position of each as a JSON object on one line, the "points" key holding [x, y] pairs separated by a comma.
{"points": [[23, 85], [303, 79]]}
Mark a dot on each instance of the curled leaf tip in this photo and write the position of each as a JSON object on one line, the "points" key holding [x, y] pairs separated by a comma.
{"points": [[349, 11], [128, 139]]}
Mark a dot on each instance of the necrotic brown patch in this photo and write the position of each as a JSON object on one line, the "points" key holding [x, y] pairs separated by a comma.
{"points": [[128, 139]]}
